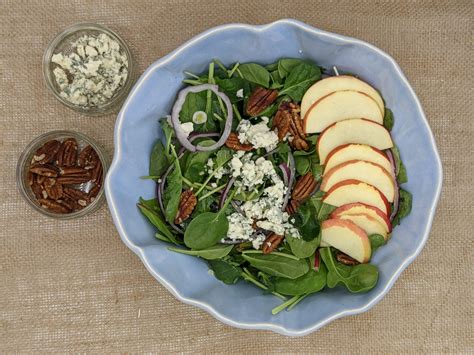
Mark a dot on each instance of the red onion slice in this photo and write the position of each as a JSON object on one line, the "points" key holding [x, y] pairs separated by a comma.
{"points": [[181, 136], [195, 135], [291, 179], [396, 201], [225, 193], [392, 163], [317, 261]]}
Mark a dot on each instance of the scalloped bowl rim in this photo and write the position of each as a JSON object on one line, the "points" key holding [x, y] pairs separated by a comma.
{"points": [[208, 307]]}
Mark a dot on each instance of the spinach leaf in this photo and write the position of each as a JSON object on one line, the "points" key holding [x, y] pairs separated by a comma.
{"points": [[158, 160], [172, 193], [223, 156], [277, 265], [317, 170], [302, 248], [400, 167], [225, 271], [168, 133], [212, 253], [376, 241], [230, 86], [302, 164], [277, 80], [206, 230], [286, 65], [404, 206], [312, 281], [305, 221], [152, 214], [272, 67], [198, 102], [203, 205], [255, 74], [388, 119], [196, 162], [358, 278], [301, 77]]}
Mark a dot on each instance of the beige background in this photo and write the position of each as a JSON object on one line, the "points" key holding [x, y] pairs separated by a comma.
{"points": [[73, 286]]}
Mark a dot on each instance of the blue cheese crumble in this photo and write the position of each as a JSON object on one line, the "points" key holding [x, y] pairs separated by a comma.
{"points": [[259, 135], [93, 73]]}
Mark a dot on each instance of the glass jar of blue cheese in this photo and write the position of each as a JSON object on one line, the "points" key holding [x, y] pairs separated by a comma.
{"points": [[89, 68]]}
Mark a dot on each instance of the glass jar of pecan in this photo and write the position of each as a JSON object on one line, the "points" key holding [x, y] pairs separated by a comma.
{"points": [[61, 174]]}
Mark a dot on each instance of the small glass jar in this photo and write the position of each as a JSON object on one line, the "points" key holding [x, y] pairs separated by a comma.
{"points": [[24, 164], [63, 44]]}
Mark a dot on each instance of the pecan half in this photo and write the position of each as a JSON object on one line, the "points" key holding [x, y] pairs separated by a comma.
{"points": [[87, 157], [271, 243], [47, 170], [96, 175], [94, 192], [346, 259], [187, 202], [72, 180], [53, 189], [74, 171], [259, 100], [292, 206], [233, 143], [288, 120], [67, 154], [37, 189], [30, 177], [40, 179], [304, 187], [53, 206], [78, 196], [46, 153]]}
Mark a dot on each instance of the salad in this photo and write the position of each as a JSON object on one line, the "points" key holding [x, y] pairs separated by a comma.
{"points": [[283, 176]]}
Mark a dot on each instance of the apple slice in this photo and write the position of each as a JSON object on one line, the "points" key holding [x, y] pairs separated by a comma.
{"points": [[358, 208], [364, 171], [369, 224], [339, 106], [365, 152], [357, 130], [338, 83], [350, 191], [347, 237]]}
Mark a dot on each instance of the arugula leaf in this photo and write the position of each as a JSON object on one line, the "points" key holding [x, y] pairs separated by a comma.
{"points": [[225, 271], [301, 77], [388, 119], [158, 160], [311, 282], [277, 265], [172, 192], [376, 241], [358, 278], [211, 253], [404, 206], [255, 74]]}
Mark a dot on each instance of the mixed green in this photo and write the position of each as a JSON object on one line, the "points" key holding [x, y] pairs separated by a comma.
{"points": [[226, 183]]}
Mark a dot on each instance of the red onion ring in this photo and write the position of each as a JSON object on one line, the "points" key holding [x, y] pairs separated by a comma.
{"points": [[396, 201], [317, 261], [181, 136], [195, 135]]}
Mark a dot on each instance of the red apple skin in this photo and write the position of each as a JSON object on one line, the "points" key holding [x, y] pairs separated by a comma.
{"points": [[353, 227], [335, 150], [356, 182], [319, 140], [340, 210], [327, 175]]}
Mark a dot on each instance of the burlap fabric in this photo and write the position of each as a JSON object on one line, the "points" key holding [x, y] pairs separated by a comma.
{"points": [[74, 287]]}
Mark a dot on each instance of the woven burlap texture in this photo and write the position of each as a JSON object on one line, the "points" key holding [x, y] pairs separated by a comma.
{"points": [[74, 287]]}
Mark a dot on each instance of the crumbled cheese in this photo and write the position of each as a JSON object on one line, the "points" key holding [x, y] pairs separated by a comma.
{"points": [[258, 241], [210, 163], [240, 93], [259, 135], [94, 73], [187, 128], [240, 227]]}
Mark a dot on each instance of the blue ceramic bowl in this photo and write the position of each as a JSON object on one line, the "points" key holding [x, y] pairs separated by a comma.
{"points": [[243, 305]]}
